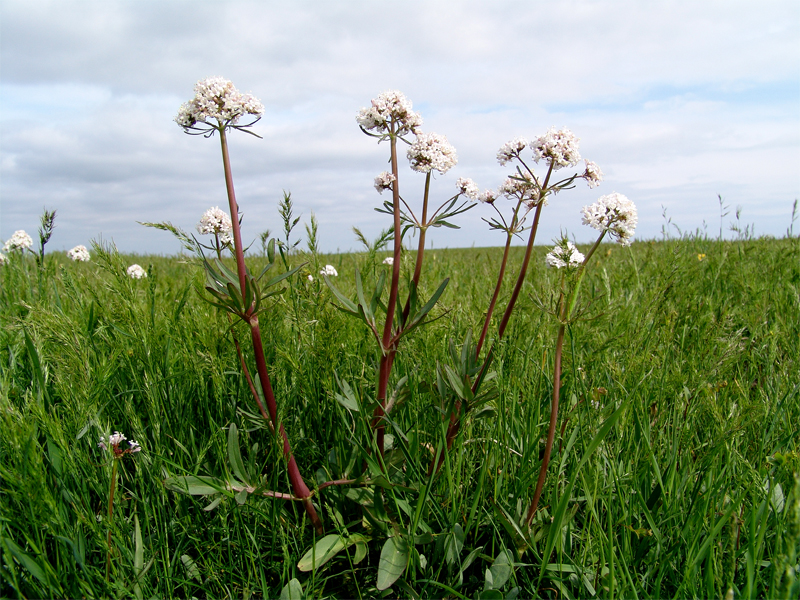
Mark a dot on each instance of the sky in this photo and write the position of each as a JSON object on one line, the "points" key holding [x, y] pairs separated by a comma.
{"points": [[678, 102]]}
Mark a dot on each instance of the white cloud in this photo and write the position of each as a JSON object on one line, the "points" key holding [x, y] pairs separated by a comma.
{"points": [[677, 101]]}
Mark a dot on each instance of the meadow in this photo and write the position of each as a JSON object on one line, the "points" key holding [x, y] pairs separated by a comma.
{"points": [[674, 471]]}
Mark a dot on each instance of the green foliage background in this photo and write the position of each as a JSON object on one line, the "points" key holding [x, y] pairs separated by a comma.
{"points": [[691, 492]]}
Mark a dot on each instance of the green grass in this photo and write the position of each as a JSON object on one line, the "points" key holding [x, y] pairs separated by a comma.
{"points": [[686, 380]]}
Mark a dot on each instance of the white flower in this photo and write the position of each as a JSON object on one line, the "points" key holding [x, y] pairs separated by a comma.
{"points": [[564, 254], [115, 440], [389, 108], [432, 151], [217, 98], [525, 188], [136, 272], [329, 270], [593, 175], [488, 197], [560, 147], [613, 213], [384, 181], [468, 188], [389, 260], [3, 259], [79, 254], [19, 241], [310, 277], [216, 221], [511, 150]]}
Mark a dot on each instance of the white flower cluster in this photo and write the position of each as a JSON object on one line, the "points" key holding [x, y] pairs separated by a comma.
{"points": [[487, 197], [389, 260], [614, 213], [79, 254], [384, 181], [330, 271], [511, 150], [389, 108], [593, 175], [115, 440], [565, 254], [3, 259], [525, 188], [432, 151], [216, 221], [19, 241], [136, 272], [217, 98], [468, 187], [557, 146]]}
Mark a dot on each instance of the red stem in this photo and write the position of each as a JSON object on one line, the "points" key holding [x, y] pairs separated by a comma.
{"points": [[494, 298], [299, 486]]}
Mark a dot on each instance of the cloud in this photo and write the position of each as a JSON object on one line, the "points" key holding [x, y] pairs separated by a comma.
{"points": [[677, 102]]}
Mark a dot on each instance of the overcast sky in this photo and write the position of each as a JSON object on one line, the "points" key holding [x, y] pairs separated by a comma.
{"points": [[677, 102]]}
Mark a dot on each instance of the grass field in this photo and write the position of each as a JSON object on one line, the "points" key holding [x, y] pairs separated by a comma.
{"points": [[674, 472]]}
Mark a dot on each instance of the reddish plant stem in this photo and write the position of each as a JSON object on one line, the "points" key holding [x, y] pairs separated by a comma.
{"points": [[299, 486], [455, 417], [494, 297], [387, 354], [553, 417], [420, 248]]}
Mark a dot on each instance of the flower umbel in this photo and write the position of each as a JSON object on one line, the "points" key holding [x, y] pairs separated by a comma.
{"points": [[217, 98], [511, 150], [564, 254], [330, 271], [216, 221], [389, 260], [468, 187], [593, 175], [19, 241], [525, 188], [560, 147], [384, 181], [114, 442], [136, 272], [432, 151], [79, 254], [614, 213], [390, 109]]}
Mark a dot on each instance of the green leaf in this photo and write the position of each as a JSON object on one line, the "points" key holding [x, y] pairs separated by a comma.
{"points": [[349, 306], [234, 454], [26, 561], [194, 485], [321, 552], [393, 562], [191, 568], [501, 569], [292, 590], [138, 557], [429, 305], [454, 542], [347, 398]]}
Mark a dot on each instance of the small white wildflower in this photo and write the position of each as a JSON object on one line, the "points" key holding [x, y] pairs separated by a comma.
{"points": [[525, 188], [217, 98], [432, 151], [114, 441], [79, 254], [593, 175], [560, 147], [19, 241], [216, 221], [564, 254], [468, 187], [136, 272], [310, 277], [389, 260], [511, 150], [390, 108], [329, 270], [488, 196], [384, 181], [614, 213]]}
